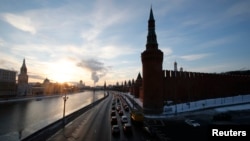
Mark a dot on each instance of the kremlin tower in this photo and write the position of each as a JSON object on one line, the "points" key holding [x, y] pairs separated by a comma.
{"points": [[152, 58]]}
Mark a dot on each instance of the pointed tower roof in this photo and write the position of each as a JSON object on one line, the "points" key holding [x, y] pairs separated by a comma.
{"points": [[151, 38], [24, 68], [139, 76], [151, 16]]}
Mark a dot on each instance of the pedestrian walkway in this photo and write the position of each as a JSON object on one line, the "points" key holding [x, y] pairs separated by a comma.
{"points": [[239, 102], [71, 131]]}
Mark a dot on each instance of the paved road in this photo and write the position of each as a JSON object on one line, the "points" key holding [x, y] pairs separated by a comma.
{"points": [[94, 125]]}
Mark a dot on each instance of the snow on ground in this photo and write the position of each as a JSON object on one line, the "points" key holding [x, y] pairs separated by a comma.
{"points": [[240, 102], [224, 102]]}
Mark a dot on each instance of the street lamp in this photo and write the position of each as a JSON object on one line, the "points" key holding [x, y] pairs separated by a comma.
{"points": [[64, 103], [133, 102]]}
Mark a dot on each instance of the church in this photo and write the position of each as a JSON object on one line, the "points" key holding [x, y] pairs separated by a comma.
{"points": [[23, 88]]}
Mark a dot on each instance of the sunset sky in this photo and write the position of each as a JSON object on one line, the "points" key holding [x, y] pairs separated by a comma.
{"points": [[102, 40]]}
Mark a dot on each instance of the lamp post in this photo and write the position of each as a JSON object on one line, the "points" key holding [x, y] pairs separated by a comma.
{"points": [[133, 102], [64, 104]]}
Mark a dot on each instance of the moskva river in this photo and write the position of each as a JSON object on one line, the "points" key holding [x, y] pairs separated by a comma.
{"points": [[20, 118]]}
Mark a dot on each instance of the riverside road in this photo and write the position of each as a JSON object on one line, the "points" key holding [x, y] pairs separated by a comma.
{"points": [[95, 125]]}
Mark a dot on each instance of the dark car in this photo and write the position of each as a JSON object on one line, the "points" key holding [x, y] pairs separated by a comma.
{"points": [[115, 129], [113, 113], [113, 120], [127, 128], [126, 108], [120, 113], [118, 108]]}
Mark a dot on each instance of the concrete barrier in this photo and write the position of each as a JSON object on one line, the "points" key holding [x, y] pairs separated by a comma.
{"points": [[46, 132]]}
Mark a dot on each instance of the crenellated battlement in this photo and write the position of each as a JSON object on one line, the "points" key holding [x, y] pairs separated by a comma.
{"points": [[189, 86], [185, 74]]}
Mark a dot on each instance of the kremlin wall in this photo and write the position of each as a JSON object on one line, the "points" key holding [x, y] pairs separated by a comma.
{"points": [[183, 87], [192, 86], [157, 86]]}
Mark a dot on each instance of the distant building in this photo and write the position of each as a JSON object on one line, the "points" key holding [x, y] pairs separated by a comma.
{"points": [[175, 66], [23, 88], [181, 69], [7, 83], [81, 86], [37, 89]]}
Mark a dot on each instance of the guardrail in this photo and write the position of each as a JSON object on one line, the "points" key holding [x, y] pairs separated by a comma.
{"points": [[49, 130]]}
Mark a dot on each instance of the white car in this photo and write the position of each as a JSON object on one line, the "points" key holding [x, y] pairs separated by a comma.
{"points": [[124, 119], [192, 122]]}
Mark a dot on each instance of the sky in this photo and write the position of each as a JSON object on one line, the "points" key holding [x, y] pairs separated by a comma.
{"points": [[102, 40]]}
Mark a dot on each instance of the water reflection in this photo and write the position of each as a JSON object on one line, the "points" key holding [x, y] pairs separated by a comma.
{"points": [[20, 119]]}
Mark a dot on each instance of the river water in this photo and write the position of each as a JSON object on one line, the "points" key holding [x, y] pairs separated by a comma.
{"points": [[19, 119]]}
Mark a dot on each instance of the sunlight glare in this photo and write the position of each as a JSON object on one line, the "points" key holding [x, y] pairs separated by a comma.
{"points": [[62, 71]]}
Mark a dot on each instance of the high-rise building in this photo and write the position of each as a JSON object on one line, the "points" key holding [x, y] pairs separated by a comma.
{"points": [[7, 83]]}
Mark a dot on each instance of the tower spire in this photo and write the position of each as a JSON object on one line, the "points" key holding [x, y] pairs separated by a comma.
{"points": [[24, 68], [151, 16], [151, 38]]}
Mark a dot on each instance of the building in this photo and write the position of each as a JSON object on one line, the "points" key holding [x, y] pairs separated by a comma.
{"points": [[159, 86], [23, 88], [7, 83], [152, 59], [175, 66]]}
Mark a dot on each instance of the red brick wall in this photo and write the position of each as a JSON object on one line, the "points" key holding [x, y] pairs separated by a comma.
{"points": [[152, 81], [190, 86]]}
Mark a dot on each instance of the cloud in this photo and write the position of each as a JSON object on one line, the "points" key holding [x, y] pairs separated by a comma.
{"points": [[218, 42], [8, 62], [36, 77], [194, 57], [96, 67], [1, 42], [167, 51], [239, 9], [20, 22]]}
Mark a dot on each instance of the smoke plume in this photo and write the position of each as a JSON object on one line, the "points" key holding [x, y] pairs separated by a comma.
{"points": [[96, 67]]}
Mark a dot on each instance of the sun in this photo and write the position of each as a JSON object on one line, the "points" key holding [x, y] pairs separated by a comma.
{"points": [[62, 71]]}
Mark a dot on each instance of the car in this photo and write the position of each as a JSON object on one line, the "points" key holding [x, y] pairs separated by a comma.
{"points": [[120, 113], [118, 108], [126, 108], [113, 113], [115, 129], [149, 131], [124, 119], [127, 128], [192, 122], [137, 116], [113, 120]]}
